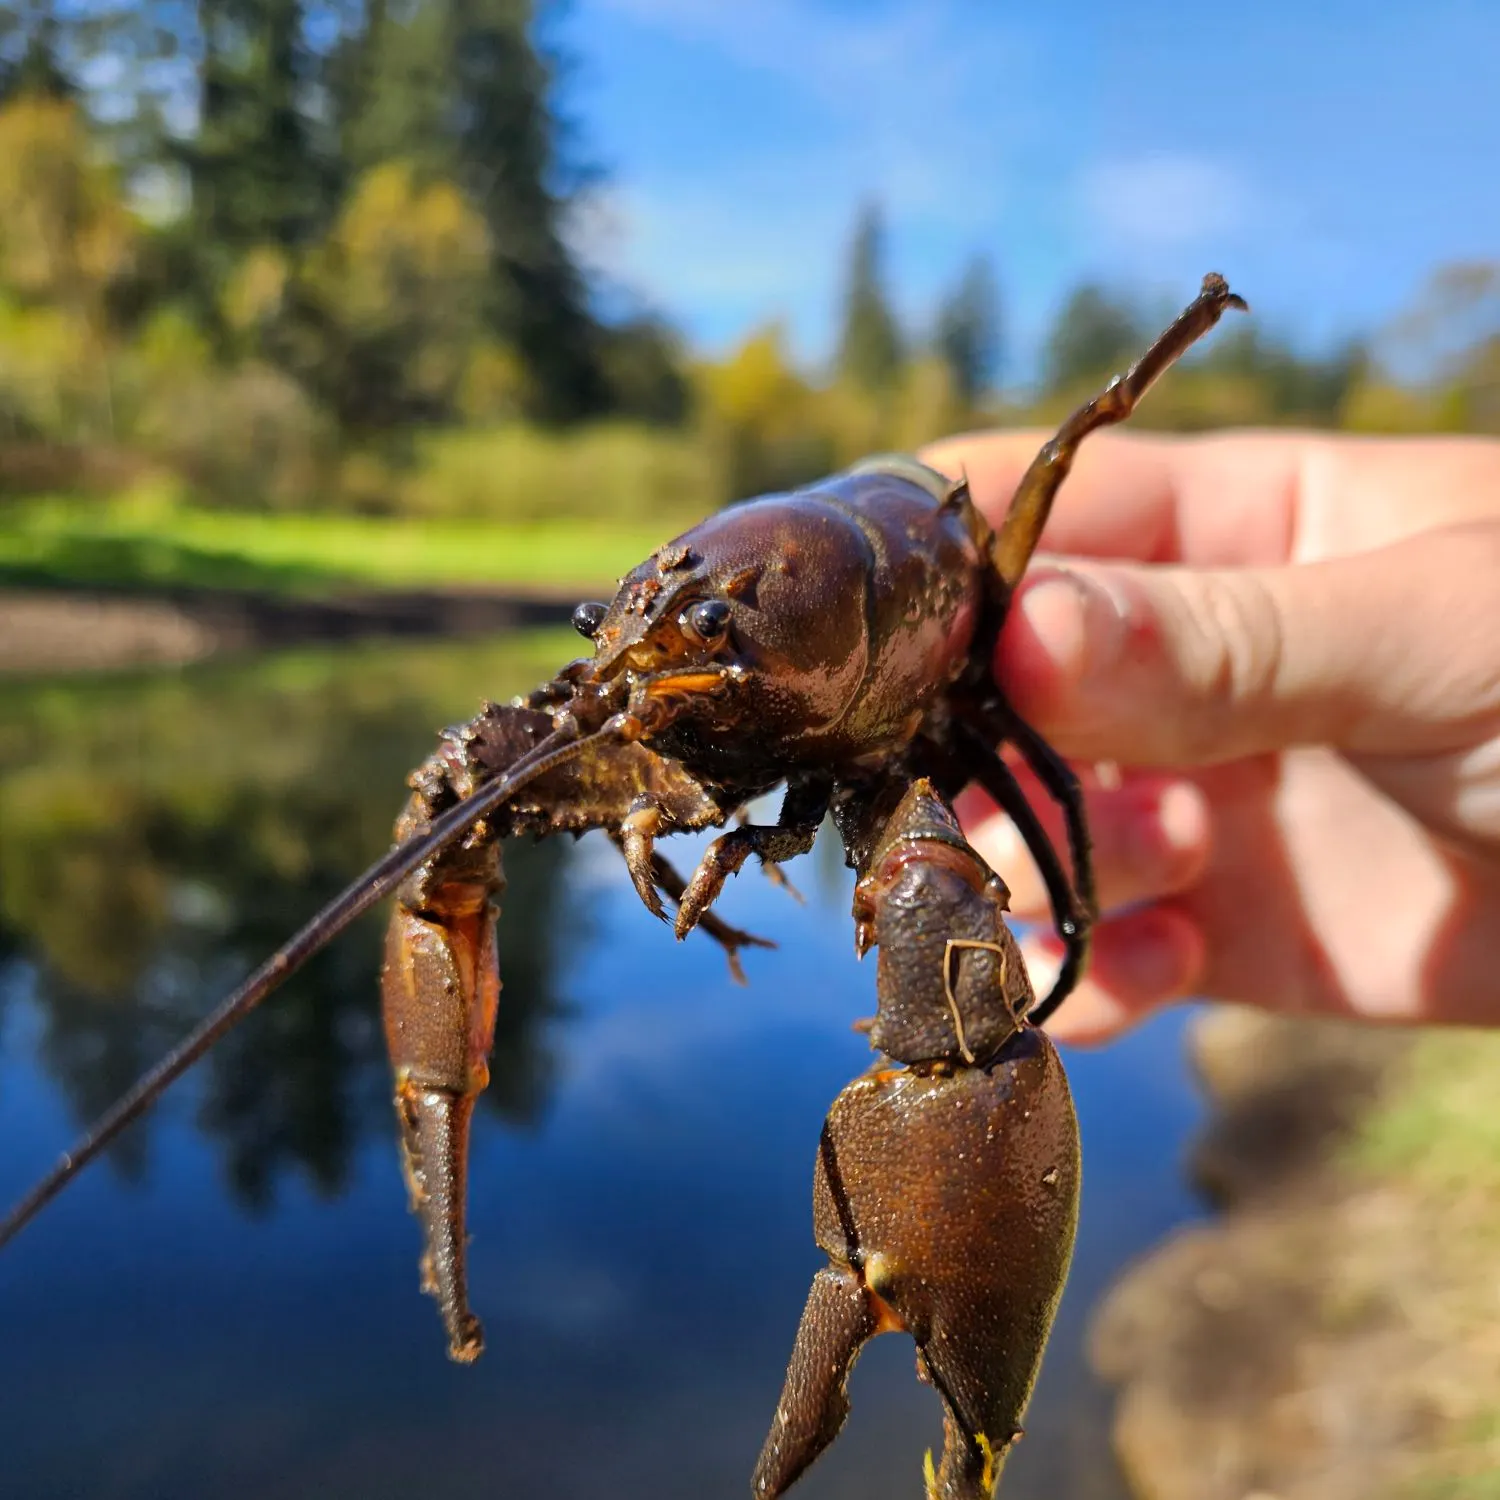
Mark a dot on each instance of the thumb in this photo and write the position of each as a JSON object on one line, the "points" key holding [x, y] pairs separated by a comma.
{"points": [[1395, 651]]}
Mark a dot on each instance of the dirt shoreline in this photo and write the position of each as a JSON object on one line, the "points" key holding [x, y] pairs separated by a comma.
{"points": [[1335, 1334], [56, 631]]}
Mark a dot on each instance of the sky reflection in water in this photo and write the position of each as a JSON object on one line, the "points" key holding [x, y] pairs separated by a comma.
{"points": [[231, 1307]]}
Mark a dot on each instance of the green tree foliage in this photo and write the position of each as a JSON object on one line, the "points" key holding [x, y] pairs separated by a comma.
{"points": [[643, 369], [299, 254], [869, 352], [761, 418], [967, 335], [254, 167], [65, 239], [30, 61], [383, 322], [1437, 366], [64, 232], [462, 88]]}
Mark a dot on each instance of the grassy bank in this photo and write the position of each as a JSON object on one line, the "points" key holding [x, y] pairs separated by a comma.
{"points": [[1434, 1143], [146, 543]]}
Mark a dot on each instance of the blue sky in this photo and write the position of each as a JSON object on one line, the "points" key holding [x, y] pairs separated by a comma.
{"points": [[1325, 156]]}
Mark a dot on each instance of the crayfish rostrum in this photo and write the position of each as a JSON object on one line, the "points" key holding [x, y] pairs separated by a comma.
{"points": [[836, 641]]}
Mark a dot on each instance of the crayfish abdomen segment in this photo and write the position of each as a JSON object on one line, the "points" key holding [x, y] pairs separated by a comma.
{"points": [[947, 1200]]}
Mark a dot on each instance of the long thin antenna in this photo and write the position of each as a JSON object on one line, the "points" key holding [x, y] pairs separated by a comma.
{"points": [[372, 886]]}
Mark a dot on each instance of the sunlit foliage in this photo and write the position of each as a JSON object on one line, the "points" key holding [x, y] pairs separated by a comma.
{"points": [[340, 281]]}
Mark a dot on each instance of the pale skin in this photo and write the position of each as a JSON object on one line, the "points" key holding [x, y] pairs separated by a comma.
{"points": [[1282, 651]]}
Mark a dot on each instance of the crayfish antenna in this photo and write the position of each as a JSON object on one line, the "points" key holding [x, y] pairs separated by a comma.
{"points": [[374, 885], [1021, 530]]}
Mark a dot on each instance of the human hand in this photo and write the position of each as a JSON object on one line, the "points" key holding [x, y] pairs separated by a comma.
{"points": [[1289, 645]]}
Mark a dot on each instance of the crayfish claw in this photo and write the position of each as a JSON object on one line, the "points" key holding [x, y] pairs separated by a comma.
{"points": [[434, 1149], [836, 1322], [946, 1201], [440, 988]]}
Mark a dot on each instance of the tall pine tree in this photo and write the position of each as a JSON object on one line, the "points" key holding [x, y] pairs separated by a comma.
{"points": [[31, 42], [869, 352], [1095, 335], [462, 89], [968, 330], [255, 172]]}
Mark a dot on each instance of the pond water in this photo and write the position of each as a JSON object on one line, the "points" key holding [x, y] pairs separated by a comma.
{"points": [[228, 1305]]}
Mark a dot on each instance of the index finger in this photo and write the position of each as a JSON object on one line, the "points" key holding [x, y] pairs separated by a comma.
{"points": [[1220, 501]]}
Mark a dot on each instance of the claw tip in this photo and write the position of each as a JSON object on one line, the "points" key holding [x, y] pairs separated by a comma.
{"points": [[468, 1344]]}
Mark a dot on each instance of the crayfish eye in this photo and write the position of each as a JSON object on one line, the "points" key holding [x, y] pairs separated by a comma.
{"points": [[709, 620], [587, 619]]}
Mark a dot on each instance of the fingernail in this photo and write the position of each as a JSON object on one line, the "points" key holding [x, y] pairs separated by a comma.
{"points": [[1176, 825], [1075, 620], [1183, 814], [1088, 1018]]}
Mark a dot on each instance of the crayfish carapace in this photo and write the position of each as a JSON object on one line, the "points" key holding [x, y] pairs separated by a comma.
{"points": [[837, 641]]}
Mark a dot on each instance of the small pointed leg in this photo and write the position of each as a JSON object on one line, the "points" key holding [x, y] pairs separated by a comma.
{"points": [[1074, 903], [730, 939], [645, 864], [836, 1322], [637, 841], [794, 833]]}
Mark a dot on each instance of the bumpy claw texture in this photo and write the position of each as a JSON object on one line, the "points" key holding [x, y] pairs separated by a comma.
{"points": [[946, 1206]]}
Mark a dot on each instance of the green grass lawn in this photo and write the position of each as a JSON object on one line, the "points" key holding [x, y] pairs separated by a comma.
{"points": [[145, 544]]}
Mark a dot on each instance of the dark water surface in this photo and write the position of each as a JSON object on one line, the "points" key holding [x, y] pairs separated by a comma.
{"points": [[229, 1306]]}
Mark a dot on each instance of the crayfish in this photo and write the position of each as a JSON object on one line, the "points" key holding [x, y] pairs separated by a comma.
{"points": [[836, 641]]}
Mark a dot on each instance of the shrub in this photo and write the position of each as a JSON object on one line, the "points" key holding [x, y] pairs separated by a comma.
{"points": [[609, 470]]}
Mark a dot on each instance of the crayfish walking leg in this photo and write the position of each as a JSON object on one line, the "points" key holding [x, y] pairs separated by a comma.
{"points": [[946, 1188]]}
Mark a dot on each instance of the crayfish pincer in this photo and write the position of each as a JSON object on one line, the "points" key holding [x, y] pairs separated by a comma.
{"points": [[946, 1189], [836, 642]]}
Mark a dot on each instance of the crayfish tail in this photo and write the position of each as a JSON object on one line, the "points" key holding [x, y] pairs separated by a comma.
{"points": [[836, 1322]]}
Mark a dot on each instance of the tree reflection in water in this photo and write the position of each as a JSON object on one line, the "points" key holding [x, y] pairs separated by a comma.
{"points": [[159, 836]]}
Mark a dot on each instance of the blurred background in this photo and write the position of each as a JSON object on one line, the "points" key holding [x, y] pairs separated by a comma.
{"points": [[342, 348]]}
